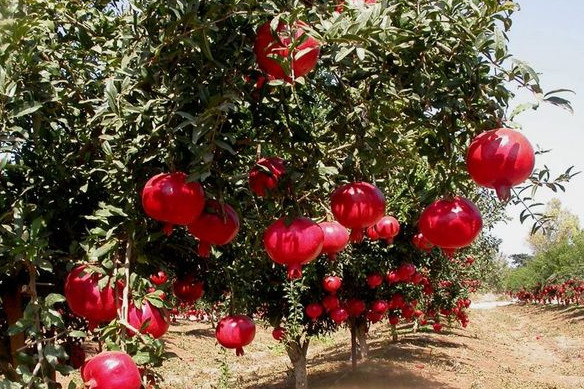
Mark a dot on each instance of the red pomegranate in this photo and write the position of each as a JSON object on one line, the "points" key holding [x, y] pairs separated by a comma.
{"points": [[500, 159], [300, 60], [217, 225], [293, 244], [86, 300], [159, 278], [187, 289], [373, 316], [336, 238], [111, 370], [235, 332], [168, 198], [393, 277], [406, 271], [357, 205], [387, 228], [314, 311], [339, 315], [374, 280], [372, 233], [158, 319], [407, 312], [331, 284], [355, 307], [279, 334], [437, 327], [393, 320], [380, 306], [265, 175], [451, 223], [397, 301], [422, 243], [331, 302]]}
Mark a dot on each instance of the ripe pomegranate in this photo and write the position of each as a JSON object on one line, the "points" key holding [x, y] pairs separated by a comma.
{"points": [[393, 320], [500, 159], [372, 233], [86, 300], [111, 370], [265, 175], [393, 277], [235, 332], [387, 228], [331, 284], [406, 271], [374, 280], [331, 302], [293, 244], [159, 278], [451, 223], [217, 225], [187, 289], [380, 306], [336, 238], [168, 198], [357, 205], [407, 312], [158, 319], [437, 327], [279, 334], [314, 311], [422, 243], [301, 59], [339, 315], [397, 301], [373, 316], [355, 307]]}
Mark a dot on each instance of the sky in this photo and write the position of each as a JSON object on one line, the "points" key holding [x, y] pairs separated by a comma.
{"points": [[549, 35]]}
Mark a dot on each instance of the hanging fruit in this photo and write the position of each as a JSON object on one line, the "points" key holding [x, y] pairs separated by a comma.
{"points": [[387, 228], [168, 198], [187, 289], [500, 159], [111, 370], [331, 284], [217, 225], [422, 243], [357, 205], [158, 319], [236, 332], [314, 311], [265, 176], [336, 238], [293, 244]]}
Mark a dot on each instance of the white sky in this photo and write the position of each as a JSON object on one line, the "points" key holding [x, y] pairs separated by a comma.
{"points": [[549, 35]]}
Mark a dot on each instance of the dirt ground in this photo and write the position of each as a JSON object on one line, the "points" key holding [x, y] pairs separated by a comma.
{"points": [[514, 346]]}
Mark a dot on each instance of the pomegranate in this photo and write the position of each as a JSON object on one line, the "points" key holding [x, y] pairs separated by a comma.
{"points": [[86, 300], [265, 175], [397, 301], [355, 307], [331, 284], [393, 320], [293, 244], [279, 334], [373, 316], [314, 311], [374, 280], [422, 243], [500, 159], [372, 233], [235, 332], [336, 238], [437, 327], [111, 370], [380, 306], [339, 315], [301, 59], [451, 223], [217, 225], [393, 277], [387, 228], [406, 271], [159, 278], [357, 205], [331, 302], [187, 289], [166, 197], [148, 319], [407, 312]]}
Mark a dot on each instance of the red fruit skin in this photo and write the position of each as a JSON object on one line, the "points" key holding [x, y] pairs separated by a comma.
{"points": [[407, 312], [380, 306], [314, 311], [158, 319], [393, 277], [76, 356], [500, 159], [331, 284], [217, 225], [166, 197], [293, 245], [393, 320], [397, 301], [159, 278], [374, 280], [111, 370], [387, 228], [336, 238], [278, 334], [331, 302], [373, 316], [437, 327], [339, 315], [357, 205], [406, 271], [86, 300], [422, 243], [451, 223], [302, 59], [355, 307], [235, 332], [372, 233], [187, 289], [265, 175]]}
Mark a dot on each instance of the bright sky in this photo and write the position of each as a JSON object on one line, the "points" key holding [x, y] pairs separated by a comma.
{"points": [[549, 35]]}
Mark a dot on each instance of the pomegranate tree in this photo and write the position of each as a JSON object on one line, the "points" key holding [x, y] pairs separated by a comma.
{"points": [[217, 225], [111, 370], [236, 332], [265, 176]]}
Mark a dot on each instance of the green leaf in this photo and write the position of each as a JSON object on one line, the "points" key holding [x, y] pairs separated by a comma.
{"points": [[53, 299], [77, 334], [28, 110]]}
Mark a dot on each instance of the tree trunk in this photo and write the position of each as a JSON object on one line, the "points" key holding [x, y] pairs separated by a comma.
{"points": [[416, 326], [297, 354], [362, 338], [353, 346], [12, 302], [394, 332]]}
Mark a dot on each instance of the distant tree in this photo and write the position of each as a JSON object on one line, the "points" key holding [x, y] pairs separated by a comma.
{"points": [[520, 260], [562, 226]]}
